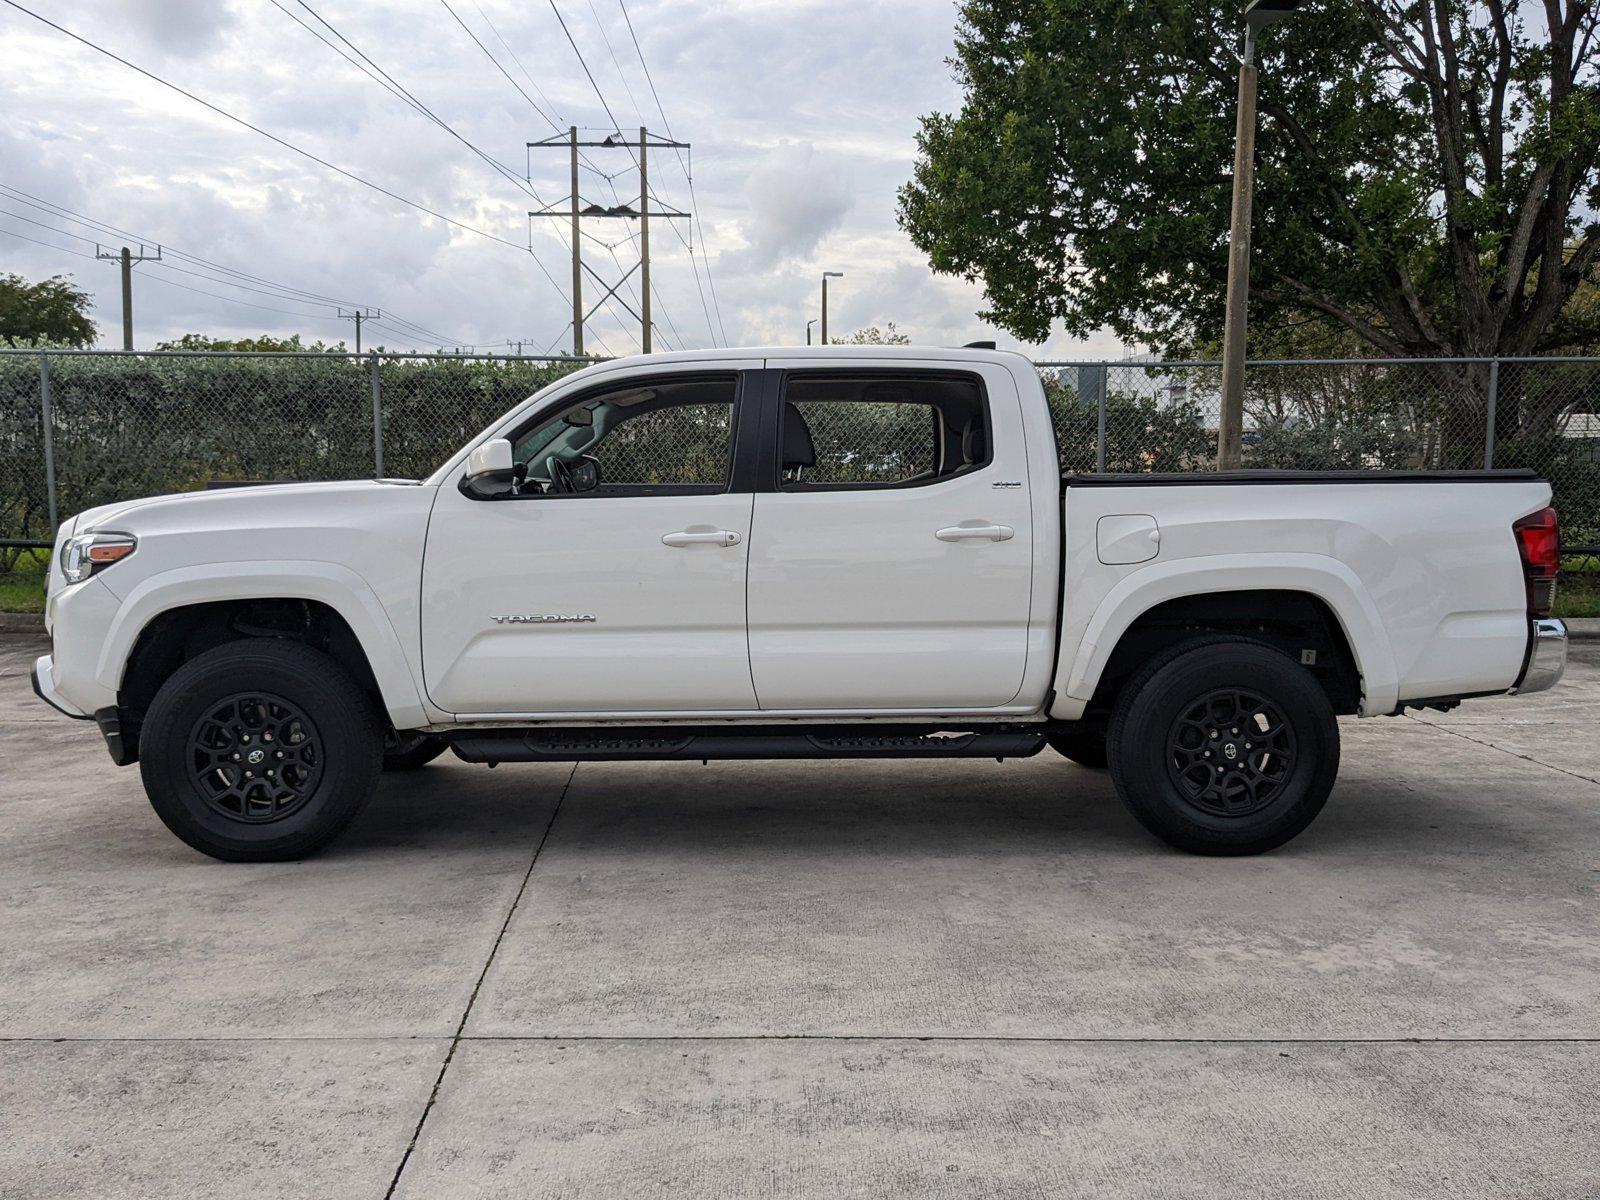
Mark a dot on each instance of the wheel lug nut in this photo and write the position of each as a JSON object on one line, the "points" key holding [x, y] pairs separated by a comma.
{"points": [[235, 758], [249, 774], [280, 754]]}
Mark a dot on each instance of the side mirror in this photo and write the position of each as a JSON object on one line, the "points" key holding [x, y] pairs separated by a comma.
{"points": [[488, 465], [585, 473]]}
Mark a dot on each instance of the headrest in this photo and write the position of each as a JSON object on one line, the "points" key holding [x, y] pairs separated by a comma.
{"points": [[972, 447], [798, 448]]}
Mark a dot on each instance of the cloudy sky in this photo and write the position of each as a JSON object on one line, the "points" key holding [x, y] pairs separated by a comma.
{"points": [[801, 115]]}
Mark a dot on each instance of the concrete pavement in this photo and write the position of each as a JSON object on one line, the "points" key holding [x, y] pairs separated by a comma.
{"points": [[954, 979]]}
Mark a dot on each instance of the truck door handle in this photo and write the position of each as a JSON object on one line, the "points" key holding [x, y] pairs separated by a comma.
{"points": [[714, 537], [962, 533]]}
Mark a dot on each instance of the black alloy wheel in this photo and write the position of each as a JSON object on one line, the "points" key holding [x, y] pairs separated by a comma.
{"points": [[1231, 752], [256, 757], [260, 750], [1223, 745]]}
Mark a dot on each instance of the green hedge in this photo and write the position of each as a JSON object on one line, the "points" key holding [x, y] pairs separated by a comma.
{"points": [[144, 426]]}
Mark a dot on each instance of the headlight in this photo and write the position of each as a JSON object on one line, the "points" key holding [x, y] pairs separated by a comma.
{"points": [[91, 552]]}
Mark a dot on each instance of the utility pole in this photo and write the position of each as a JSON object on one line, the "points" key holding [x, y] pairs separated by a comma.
{"points": [[577, 255], [1258, 15], [358, 316], [127, 258], [827, 275], [644, 237], [575, 211]]}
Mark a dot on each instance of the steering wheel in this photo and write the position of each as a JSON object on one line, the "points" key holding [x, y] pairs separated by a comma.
{"points": [[560, 475]]}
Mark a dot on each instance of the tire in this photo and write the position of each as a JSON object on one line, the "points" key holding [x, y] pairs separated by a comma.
{"points": [[1086, 747], [1271, 785], [412, 751], [315, 731]]}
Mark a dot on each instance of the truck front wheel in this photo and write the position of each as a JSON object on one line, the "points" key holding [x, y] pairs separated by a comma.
{"points": [[1224, 747], [260, 751]]}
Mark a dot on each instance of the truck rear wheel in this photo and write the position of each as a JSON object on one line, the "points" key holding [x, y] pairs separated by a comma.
{"points": [[1224, 747], [260, 751]]}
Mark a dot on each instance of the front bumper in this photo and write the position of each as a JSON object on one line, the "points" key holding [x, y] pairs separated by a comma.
{"points": [[44, 687], [1547, 656]]}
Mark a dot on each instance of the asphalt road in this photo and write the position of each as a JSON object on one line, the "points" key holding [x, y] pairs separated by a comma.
{"points": [[953, 980]]}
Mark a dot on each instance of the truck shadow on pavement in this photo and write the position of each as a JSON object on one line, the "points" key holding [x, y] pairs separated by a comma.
{"points": [[931, 810]]}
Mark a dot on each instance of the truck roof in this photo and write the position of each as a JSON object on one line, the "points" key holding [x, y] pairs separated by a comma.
{"points": [[820, 353]]}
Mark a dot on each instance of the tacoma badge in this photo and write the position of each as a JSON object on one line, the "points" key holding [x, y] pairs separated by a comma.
{"points": [[541, 618]]}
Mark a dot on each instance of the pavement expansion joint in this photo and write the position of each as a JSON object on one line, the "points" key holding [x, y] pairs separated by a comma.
{"points": [[455, 1041], [1467, 737]]}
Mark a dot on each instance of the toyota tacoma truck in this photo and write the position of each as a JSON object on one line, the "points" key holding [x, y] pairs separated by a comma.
{"points": [[786, 553]]}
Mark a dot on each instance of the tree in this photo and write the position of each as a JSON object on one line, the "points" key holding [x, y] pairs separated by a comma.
{"points": [[873, 336], [54, 310], [1427, 175], [277, 345]]}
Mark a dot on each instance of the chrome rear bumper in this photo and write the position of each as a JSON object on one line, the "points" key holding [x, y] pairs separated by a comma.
{"points": [[1547, 656]]}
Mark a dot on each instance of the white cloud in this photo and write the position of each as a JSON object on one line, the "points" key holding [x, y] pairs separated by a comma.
{"points": [[796, 198]]}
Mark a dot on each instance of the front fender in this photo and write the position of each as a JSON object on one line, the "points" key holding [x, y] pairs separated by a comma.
{"points": [[340, 588], [1319, 575]]}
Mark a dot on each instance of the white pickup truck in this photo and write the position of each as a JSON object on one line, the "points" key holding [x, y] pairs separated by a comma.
{"points": [[786, 553]]}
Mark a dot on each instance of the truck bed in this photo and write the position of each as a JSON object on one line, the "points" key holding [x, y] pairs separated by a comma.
{"points": [[1425, 582]]}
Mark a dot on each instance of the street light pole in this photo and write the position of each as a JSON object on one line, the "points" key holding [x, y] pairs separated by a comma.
{"points": [[809, 324], [1230, 426], [827, 275]]}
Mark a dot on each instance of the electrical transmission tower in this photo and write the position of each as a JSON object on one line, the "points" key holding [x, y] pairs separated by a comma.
{"points": [[576, 210], [359, 315], [127, 258]]}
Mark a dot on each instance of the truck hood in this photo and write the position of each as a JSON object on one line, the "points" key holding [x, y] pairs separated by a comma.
{"points": [[217, 506], [372, 527]]}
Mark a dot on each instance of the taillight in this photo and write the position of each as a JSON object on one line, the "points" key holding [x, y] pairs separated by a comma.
{"points": [[1539, 541]]}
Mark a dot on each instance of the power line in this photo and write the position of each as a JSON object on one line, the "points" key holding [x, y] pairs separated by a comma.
{"points": [[52, 246], [606, 38], [533, 83], [8, 191], [272, 137], [583, 159], [604, 104], [165, 282], [688, 173], [281, 292], [543, 115], [496, 62], [610, 116], [376, 73]]}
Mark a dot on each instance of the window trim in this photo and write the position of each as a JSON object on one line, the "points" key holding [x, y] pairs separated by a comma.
{"points": [[773, 437], [738, 437]]}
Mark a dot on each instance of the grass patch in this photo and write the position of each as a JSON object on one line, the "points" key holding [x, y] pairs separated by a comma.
{"points": [[1578, 594], [22, 587]]}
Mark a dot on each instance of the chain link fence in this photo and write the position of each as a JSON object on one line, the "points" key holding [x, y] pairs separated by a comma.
{"points": [[82, 428], [1342, 414]]}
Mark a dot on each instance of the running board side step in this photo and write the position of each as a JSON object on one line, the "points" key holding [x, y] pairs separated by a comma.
{"points": [[621, 744]]}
